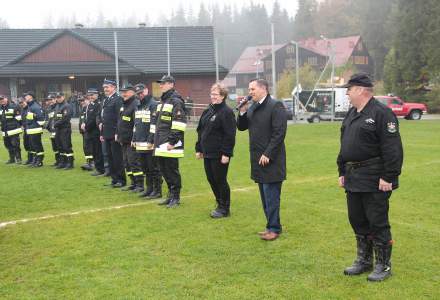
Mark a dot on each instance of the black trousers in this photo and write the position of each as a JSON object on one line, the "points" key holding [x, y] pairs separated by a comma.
{"points": [[217, 174], [94, 144], [63, 139], [87, 148], [149, 164], [169, 167], [115, 161], [12, 144], [54, 145], [26, 142], [368, 215], [36, 146], [131, 161]]}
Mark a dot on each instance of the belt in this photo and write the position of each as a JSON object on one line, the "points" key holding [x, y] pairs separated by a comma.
{"points": [[364, 163]]}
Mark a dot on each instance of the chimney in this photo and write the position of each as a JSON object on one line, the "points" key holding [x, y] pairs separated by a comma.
{"points": [[142, 25], [79, 26]]}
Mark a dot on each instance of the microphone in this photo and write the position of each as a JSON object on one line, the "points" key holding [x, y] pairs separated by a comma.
{"points": [[243, 102]]}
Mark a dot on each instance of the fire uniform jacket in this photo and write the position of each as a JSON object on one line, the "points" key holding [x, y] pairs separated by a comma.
{"points": [[371, 148], [144, 116], [111, 107], [92, 112], [63, 114], [82, 116], [50, 115], [170, 125], [34, 118], [126, 120], [10, 117]]}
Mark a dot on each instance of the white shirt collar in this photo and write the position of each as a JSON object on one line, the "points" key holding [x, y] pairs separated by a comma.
{"points": [[262, 100]]}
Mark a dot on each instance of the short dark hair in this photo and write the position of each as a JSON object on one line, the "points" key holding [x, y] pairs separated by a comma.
{"points": [[261, 82]]}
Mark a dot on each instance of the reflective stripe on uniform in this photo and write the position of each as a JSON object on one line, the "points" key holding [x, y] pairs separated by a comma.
{"points": [[167, 107], [52, 135], [29, 116], [3, 133], [168, 153], [9, 117], [68, 154], [34, 130], [14, 131], [166, 118], [18, 117], [126, 118], [152, 128], [178, 125], [40, 153], [88, 157], [41, 123], [128, 173], [138, 173]]}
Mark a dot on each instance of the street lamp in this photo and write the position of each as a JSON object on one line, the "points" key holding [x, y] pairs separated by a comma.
{"points": [[331, 50], [296, 69]]}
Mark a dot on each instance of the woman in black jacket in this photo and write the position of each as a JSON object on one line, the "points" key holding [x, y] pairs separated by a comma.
{"points": [[215, 144]]}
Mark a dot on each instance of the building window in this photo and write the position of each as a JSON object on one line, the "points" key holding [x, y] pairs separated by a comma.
{"points": [[360, 47], [290, 49], [290, 63], [313, 60], [268, 64], [360, 60]]}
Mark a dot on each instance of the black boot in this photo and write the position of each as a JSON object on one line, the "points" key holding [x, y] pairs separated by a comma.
{"points": [[18, 157], [62, 162], [11, 158], [149, 189], [29, 159], [364, 260], [88, 166], [168, 199], [57, 160], [39, 161], [107, 172], [382, 270], [175, 200], [34, 160], [69, 163], [139, 180], [132, 185], [157, 189]]}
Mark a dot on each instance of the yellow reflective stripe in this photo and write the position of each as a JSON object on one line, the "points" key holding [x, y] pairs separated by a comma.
{"points": [[9, 117], [59, 115], [10, 110], [68, 154], [168, 153], [52, 135], [34, 130], [129, 173], [126, 118], [88, 157], [29, 116], [167, 107], [152, 128], [146, 120], [18, 117], [41, 123], [39, 153], [3, 133], [142, 114], [14, 131], [138, 173], [178, 125], [166, 118], [51, 114]]}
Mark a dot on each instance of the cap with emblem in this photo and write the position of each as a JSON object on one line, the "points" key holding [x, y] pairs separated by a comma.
{"points": [[59, 94], [29, 93], [166, 78], [2, 97], [359, 79], [127, 87], [92, 91], [109, 82], [49, 97], [139, 88]]}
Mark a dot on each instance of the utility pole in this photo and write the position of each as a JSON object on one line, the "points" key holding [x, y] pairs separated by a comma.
{"points": [[115, 37], [332, 59], [274, 73], [217, 76], [168, 51]]}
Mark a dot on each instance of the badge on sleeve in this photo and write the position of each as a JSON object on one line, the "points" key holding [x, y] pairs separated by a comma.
{"points": [[391, 127]]}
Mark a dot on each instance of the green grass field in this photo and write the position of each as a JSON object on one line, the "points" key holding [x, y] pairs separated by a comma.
{"points": [[148, 252]]}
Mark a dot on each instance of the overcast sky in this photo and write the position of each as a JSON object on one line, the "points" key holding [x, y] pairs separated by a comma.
{"points": [[33, 13]]}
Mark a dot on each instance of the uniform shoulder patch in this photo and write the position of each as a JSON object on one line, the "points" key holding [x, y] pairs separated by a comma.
{"points": [[391, 127]]}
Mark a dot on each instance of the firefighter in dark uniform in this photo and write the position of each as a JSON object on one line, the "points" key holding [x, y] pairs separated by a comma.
{"points": [[168, 138], [144, 116], [50, 115], [369, 163], [63, 132], [87, 148], [124, 135], [110, 109], [10, 117], [34, 122], [26, 143], [91, 131]]}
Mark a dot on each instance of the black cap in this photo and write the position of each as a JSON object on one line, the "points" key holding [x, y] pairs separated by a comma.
{"points": [[2, 97], [49, 97], [127, 87], [92, 91], [166, 78], [139, 88], [29, 93], [59, 94], [359, 79], [109, 82]]}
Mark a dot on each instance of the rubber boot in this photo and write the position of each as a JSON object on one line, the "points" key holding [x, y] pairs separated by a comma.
{"points": [[382, 270], [364, 260]]}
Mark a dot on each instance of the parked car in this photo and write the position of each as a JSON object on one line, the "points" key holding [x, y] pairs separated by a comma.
{"points": [[408, 110]]}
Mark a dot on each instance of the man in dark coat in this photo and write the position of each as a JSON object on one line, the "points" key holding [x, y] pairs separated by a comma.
{"points": [[266, 120]]}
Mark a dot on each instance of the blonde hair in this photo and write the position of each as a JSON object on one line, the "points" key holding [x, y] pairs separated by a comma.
{"points": [[223, 91]]}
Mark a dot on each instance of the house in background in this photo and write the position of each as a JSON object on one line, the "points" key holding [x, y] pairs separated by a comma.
{"points": [[257, 61], [68, 60]]}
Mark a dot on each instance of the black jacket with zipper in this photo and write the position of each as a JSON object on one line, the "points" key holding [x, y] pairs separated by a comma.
{"points": [[124, 129]]}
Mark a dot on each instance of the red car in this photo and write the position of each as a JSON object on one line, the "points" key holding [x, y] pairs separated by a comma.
{"points": [[411, 111]]}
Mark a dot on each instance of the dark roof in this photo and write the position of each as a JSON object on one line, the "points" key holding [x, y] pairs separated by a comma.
{"points": [[141, 50]]}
